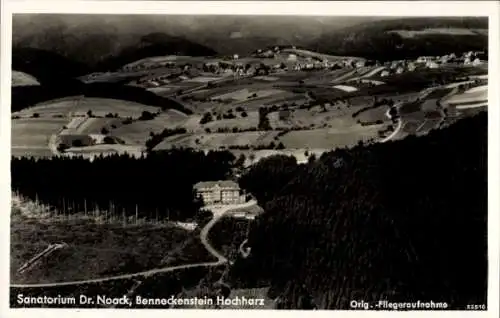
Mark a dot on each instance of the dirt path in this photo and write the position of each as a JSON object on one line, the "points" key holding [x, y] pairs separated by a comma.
{"points": [[218, 213], [423, 94]]}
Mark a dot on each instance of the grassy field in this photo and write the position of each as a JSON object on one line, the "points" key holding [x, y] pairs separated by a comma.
{"points": [[245, 94], [30, 136], [93, 250], [138, 131], [472, 95], [81, 105], [314, 118], [23, 79], [330, 137], [217, 140], [374, 114], [451, 31], [92, 125], [252, 120]]}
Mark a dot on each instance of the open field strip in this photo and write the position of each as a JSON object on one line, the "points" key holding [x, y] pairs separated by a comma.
{"points": [[251, 121], [474, 105], [217, 140], [485, 104], [267, 78], [476, 94], [345, 76], [94, 125], [346, 88], [75, 122], [428, 31], [31, 136], [137, 132], [163, 89], [157, 59], [202, 79], [453, 85], [478, 89], [485, 76], [318, 55], [23, 79], [367, 74], [77, 105], [329, 137], [373, 72], [245, 93], [370, 81]]}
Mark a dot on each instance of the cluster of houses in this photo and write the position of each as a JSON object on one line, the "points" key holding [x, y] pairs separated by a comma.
{"points": [[278, 60], [148, 66], [473, 58], [470, 58]]}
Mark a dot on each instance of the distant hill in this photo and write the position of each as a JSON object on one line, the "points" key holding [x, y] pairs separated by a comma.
{"points": [[383, 40], [108, 40], [154, 44], [47, 67], [81, 44]]}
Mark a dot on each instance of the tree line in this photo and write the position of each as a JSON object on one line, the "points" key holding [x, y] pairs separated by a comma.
{"points": [[402, 221], [160, 184], [27, 96]]}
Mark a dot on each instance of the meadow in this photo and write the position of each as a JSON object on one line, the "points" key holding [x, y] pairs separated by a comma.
{"points": [[217, 140], [330, 137], [139, 131], [30, 136], [76, 105], [475, 94], [23, 79]]}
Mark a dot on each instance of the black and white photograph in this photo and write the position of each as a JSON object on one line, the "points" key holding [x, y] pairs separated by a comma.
{"points": [[246, 161]]}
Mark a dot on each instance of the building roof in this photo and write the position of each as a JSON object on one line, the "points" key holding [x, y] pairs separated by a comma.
{"points": [[220, 183]]}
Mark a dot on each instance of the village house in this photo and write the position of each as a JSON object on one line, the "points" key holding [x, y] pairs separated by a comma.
{"points": [[411, 67], [384, 73], [432, 64], [219, 192], [360, 63]]}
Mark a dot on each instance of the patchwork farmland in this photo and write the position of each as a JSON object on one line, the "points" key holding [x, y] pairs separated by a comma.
{"points": [[322, 109]]}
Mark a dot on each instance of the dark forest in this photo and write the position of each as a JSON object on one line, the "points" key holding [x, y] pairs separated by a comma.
{"points": [[405, 220], [160, 183]]}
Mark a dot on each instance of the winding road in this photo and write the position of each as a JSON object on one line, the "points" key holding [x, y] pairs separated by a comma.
{"points": [[423, 94], [218, 212]]}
